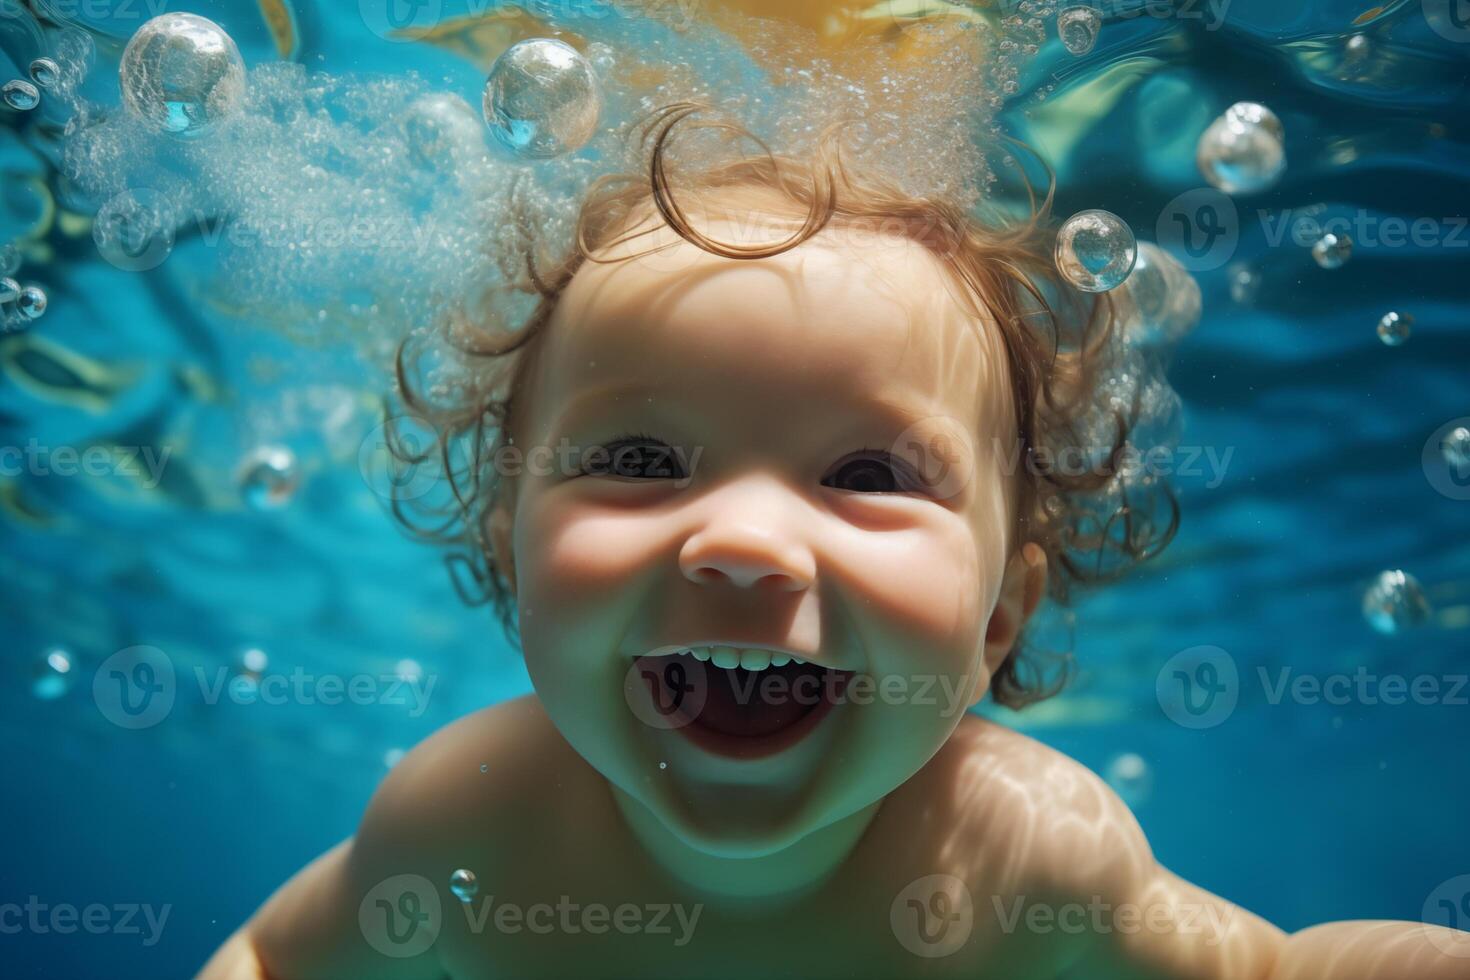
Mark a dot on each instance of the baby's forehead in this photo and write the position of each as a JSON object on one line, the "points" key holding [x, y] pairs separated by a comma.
{"points": [[857, 309]]}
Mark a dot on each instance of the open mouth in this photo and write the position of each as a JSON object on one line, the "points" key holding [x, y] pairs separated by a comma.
{"points": [[739, 702]]}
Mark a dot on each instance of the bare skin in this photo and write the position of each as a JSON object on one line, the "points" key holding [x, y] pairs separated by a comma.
{"points": [[899, 828]]}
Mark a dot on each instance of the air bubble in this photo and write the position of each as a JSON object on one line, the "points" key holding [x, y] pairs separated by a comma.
{"points": [[52, 675], [1395, 328], [464, 885], [1394, 602], [1165, 297], [1130, 777], [1078, 28], [542, 99], [20, 94], [32, 302], [268, 478], [1331, 251], [182, 74], [1095, 250], [1455, 448], [1243, 151], [44, 72]]}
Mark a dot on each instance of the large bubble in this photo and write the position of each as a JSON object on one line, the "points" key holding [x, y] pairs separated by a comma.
{"points": [[542, 98], [1243, 152], [182, 74], [1095, 250], [1166, 301]]}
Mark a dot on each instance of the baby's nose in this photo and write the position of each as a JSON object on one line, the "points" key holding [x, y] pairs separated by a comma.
{"points": [[746, 544]]}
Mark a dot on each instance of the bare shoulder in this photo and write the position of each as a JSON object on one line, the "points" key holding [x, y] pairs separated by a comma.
{"points": [[486, 778], [1033, 819], [1059, 855]]}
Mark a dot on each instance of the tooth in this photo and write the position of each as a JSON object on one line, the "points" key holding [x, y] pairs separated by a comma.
{"points": [[701, 654], [725, 657], [755, 659], [779, 660]]}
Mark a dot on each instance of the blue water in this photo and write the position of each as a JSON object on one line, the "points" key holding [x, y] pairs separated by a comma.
{"points": [[1300, 811]]}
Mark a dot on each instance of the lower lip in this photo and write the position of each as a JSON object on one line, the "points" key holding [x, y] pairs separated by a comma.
{"points": [[755, 747]]}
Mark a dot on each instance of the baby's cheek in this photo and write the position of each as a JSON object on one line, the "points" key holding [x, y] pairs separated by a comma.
{"points": [[583, 552], [927, 585]]}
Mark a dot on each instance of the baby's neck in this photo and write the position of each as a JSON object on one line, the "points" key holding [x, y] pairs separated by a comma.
{"points": [[786, 875]]}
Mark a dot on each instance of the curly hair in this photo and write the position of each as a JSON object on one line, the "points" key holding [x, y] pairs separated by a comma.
{"points": [[1059, 345]]}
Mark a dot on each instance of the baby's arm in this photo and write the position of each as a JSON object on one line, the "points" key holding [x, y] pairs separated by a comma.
{"points": [[310, 927], [1055, 849], [1188, 932]]}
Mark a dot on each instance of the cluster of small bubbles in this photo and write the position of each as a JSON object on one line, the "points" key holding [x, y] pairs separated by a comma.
{"points": [[1395, 601], [542, 98], [9, 291], [1095, 250], [1078, 28], [76, 52], [52, 675], [9, 259], [1394, 328], [45, 72], [1455, 448], [1243, 151], [1332, 251], [1166, 302], [20, 94], [268, 477], [1245, 283], [1130, 777], [464, 885], [181, 74]]}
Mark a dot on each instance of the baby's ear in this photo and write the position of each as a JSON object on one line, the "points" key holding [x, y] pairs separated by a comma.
{"points": [[498, 523], [1020, 593]]}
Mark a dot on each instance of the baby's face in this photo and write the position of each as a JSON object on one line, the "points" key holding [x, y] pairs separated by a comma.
{"points": [[771, 419]]}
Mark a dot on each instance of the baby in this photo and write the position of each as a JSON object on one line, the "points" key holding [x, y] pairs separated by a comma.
{"points": [[779, 544]]}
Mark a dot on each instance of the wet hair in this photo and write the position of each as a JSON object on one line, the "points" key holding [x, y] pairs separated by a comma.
{"points": [[1060, 346]]}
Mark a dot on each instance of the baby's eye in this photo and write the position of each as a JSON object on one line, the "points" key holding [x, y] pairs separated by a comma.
{"points": [[633, 457], [873, 471]]}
